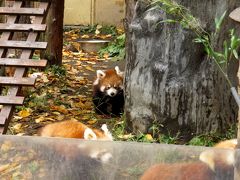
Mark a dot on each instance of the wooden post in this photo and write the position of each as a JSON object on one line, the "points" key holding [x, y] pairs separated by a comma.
{"points": [[55, 32], [2, 19]]}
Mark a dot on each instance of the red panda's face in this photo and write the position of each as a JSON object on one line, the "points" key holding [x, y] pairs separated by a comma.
{"points": [[110, 81]]}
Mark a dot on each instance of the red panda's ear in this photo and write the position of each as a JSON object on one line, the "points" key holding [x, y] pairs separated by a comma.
{"points": [[89, 134], [222, 156], [100, 74], [120, 73]]}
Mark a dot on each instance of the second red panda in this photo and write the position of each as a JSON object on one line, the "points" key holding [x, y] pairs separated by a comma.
{"points": [[108, 97], [215, 164], [229, 144], [74, 129]]}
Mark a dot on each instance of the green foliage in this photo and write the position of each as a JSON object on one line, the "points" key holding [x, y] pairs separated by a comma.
{"points": [[115, 49], [35, 57], [213, 138], [182, 15], [118, 129], [109, 30], [39, 103], [88, 29], [140, 137], [91, 29], [179, 14], [57, 70], [33, 166], [168, 139], [203, 140]]}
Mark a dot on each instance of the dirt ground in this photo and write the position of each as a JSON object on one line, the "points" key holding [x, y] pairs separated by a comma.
{"points": [[63, 94]]}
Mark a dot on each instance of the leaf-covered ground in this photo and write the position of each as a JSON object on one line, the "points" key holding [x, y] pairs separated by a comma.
{"points": [[64, 93]]}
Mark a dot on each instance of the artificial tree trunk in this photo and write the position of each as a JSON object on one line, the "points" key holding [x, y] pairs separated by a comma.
{"points": [[170, 82]]}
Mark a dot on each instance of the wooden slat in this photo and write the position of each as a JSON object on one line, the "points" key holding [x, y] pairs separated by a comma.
{"points": [[1, 129], [8, 110], [23, 45], [23, 27], [2, 122], [22, 11], [17, 81], [23, 62], [8, 35], [13, 100], [37, 0]]}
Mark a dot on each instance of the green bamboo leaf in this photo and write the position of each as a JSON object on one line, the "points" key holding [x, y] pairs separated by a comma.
{"points": [[235, 53], [225, 49], [218, 21], [168, 21], [222, 62]]}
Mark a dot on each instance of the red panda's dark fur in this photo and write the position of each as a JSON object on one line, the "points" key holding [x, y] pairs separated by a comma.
{"points": [[103, 102]]}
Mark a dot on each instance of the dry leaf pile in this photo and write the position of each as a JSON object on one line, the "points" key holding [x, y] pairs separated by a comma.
{"points": [[61, 93]]}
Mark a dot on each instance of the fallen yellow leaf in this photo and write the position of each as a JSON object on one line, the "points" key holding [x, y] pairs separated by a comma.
{"points": [[92, 121], [89, 68], [4, 167], [61, 109], [149, 137], [45, 79], [83, 59], [17, 127], [6, 146], [85, 36], [24, 113], [40, 119]]}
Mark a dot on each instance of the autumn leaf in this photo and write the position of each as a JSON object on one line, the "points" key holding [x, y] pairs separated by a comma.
{"points": [[149, 137], [61, 109], [85, 36], [106, 56], [24, 113], [4, 167], [40, 119], [125, 136], [83, 59], [97, 31], [92, 121], [89, 68], [44, 78], [6, 146], [17, 127]]}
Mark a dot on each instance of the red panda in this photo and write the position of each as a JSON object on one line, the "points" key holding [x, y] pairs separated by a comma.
{"points": [[216, 164], [179, 171], [108, 96], [74, 129], [229, 144]]}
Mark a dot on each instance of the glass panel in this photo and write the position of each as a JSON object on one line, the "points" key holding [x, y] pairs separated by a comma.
{"points": [[70, 159]]}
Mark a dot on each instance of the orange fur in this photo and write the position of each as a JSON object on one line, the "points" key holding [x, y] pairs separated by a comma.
{"points": [[111, 78], [216, 164], [69, 129], [178, 171], [9, 71], [229, 144], [108, 94]]}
